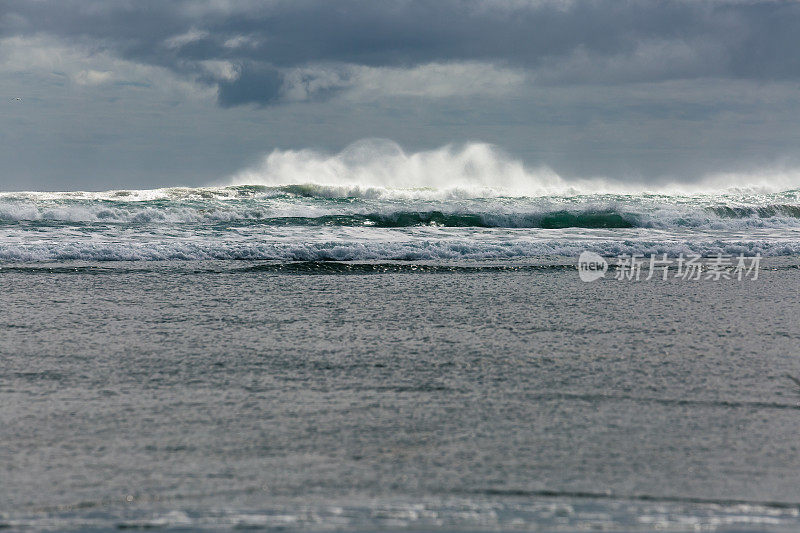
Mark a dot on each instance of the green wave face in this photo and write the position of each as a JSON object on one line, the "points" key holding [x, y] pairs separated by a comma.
{"points": [[763, 211], [588, 219], [406, 219]]}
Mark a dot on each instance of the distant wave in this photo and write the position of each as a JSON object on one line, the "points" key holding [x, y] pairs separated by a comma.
{"points": [[381, 169], [262, 216], [286, 209], [380, 166], [403, 219], [362, 192]]}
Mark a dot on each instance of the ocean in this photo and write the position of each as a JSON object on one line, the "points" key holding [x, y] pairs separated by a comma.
{"points": [[362, 357], [336, 223]]}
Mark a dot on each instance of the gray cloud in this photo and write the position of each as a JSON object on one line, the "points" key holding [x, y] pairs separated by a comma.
{"points": [[256, 83], [559, 42], [147, 93]]}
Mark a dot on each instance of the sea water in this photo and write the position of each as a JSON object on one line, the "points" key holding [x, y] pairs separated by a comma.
{"points": [[311, 357]]}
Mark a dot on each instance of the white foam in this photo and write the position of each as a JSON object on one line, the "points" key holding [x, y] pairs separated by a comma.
{"points": [[443, 250], [382, 167]]}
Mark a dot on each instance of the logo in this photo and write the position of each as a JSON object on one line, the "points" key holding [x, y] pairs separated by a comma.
{"points": [[591, 266], [637, 267]]}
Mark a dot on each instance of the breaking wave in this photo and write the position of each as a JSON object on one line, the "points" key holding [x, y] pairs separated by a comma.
{"points": [[373, 202], [380, 167], [290, 209], [440, 250]]}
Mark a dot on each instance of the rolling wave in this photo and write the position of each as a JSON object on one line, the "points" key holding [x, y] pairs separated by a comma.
{"points": [[551, 213], [446, 249], [374, 202], [403, 219]]}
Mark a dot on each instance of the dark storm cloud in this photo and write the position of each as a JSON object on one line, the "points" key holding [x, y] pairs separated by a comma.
{"points": [[257, 83], [755, 40]]}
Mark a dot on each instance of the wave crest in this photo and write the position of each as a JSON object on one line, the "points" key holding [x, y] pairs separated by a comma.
{"points": [[380, 167], [377, 166]]}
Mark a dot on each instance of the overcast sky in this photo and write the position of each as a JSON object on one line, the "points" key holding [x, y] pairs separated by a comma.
{"points": [[152, 93]]}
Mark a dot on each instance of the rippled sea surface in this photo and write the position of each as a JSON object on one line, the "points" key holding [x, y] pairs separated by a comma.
{"points": [[305, 359], [210, 394]]}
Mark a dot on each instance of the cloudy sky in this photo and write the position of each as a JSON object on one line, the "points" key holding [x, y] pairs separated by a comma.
{"points": [[151, 93]]}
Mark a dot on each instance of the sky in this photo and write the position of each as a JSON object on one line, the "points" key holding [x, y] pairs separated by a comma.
{"points": [[152, 93]]}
